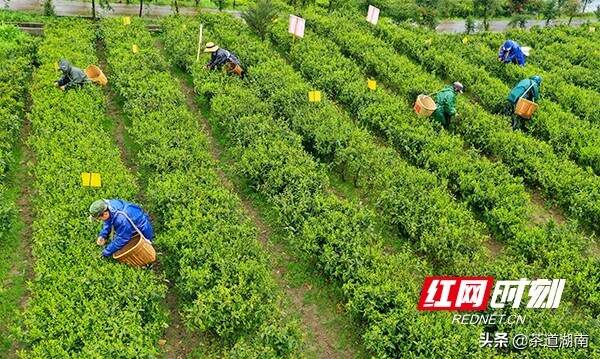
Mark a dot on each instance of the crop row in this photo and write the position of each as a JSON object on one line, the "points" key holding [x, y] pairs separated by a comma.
{"points": [[411, 199], [576, 75], [544, 244], [337, 235], [577, 46], [558, 58], [579, 101], [527, 244], [566, 133], [488, 187], [16, 50], [210, 250], [563, 319], [81, 305], [575, 189]]}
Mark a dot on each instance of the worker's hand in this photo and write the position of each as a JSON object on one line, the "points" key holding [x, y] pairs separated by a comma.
{"points": [[62, 88], [100, 241]]}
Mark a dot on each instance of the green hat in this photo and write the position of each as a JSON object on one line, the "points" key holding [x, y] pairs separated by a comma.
{"points": [[98, 207]]}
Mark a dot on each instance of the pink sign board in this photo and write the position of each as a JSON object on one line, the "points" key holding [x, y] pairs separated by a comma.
{"points": [[373, 15], [296, 26]]}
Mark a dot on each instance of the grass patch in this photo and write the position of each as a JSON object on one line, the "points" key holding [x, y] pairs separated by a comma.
{"points": [[12, 259]]}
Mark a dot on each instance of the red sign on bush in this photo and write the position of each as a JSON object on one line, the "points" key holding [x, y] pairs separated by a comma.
{"points": [[455, 293]]}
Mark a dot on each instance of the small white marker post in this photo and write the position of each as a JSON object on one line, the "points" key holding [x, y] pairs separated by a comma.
{"points": [[199, 44], [296, 27], [373, 15]]}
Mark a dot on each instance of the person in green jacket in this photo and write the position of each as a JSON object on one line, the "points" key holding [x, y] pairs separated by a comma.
{"points": [[446, 103], [527, 88]]}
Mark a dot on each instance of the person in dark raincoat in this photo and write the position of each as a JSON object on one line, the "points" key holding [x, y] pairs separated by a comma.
{"points": [[220, 57], [445, 101], [125, 218], [72, 76], [529, 89], [511, 52]]}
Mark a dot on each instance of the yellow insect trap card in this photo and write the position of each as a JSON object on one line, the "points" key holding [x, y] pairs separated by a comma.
{"points": [[91, 179]]}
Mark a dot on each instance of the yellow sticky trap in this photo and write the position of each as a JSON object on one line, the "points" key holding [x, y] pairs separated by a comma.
{"points": [[592, 29], [126, 20], [91, 179], [428, 41], [465, 40], [314, 96], [372, 84], [135, 49]]}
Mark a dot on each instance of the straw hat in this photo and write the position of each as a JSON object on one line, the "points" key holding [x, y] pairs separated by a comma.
{"points": [[211, 47]]}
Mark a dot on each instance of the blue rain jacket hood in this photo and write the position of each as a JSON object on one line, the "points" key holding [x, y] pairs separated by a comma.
{"points": [[123, 229], [510, 51]]}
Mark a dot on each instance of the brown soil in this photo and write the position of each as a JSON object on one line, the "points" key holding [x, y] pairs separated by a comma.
{"points": [[494, 247], [595, 250], [113, 111], [178, 341], [541, 213], [312, 321], [25, 180]]}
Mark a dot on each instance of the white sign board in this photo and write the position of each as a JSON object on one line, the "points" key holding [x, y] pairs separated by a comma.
{"points": [[296, 26], [373, 15]]}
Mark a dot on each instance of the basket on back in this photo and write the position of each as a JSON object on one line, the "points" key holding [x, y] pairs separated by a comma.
{"points": [[525, 108], [138, 252], [424, 106], [96, 75]]}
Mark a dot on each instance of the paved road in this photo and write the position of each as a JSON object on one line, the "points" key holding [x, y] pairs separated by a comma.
{"points": [[70, 8], [458, 26]]}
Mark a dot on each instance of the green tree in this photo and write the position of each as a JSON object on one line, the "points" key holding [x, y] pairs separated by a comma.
{"points": [[469, 25], [550, 10], [597, 12], [260, 17], [49, 8], [518, 19], [104, 4], [571, 8], [485, 9], [584, 4], [518, 6], [336, 4]]}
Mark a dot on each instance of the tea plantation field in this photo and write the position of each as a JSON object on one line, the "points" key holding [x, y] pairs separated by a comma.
{"points": [[288, 228]]}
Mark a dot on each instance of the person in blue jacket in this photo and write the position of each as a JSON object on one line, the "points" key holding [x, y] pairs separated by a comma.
{"points": [[511, 52], [122, 217]]}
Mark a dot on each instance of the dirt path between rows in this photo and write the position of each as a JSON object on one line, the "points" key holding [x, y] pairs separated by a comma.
{"points": [[24, 178], [313, 322], [542, 213], [177, 342]]}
